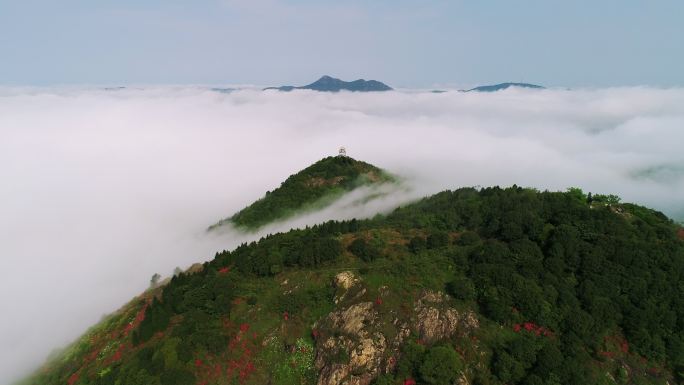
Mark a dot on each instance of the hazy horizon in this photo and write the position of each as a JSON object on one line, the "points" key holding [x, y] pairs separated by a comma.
{"points": [[403, 43]]}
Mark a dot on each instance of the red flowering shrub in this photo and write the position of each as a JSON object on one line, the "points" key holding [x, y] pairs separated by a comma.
{"points": [[533, 328], [74, 377]]}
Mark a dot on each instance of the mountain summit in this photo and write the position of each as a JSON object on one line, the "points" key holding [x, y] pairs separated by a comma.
{"points": [[329, 84], [314, 187]]}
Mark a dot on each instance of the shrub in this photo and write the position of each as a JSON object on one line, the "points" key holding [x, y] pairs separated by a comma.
{"points": [[441, 365], [364, 250]]}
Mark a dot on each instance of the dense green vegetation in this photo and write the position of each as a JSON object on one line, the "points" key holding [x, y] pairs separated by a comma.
{"points": [[570, 289], [311, 188]]}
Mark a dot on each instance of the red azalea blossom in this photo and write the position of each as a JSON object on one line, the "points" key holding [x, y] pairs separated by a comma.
{"points": [[117, 355], [74, 377], [378, 301], [237, 370], [409, 381], [532, 327], [224, 270], [286, 316], [139, 317], [624, 346]]}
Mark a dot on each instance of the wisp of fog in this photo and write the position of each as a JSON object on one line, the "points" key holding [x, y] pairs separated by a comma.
{"points": [[103, 188]]}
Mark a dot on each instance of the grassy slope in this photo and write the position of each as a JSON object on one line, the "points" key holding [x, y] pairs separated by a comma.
{"points": [[312, 188], [257, 338]]}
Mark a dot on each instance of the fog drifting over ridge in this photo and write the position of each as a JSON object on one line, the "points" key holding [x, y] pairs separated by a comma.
{"points": [[101, 189]]}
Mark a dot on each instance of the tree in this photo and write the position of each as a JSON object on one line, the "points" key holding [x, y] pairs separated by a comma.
{"points": [[364, 250], [577, 193], [156, 319], [384, 379], [441, 365], [437, 239], [154, 281], [468, 238], [508, 369], [416, 244], [411, 357], [461, 288]]}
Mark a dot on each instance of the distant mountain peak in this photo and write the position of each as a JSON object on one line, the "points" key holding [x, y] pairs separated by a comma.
{"points": [[503, 86], [330, 84]]}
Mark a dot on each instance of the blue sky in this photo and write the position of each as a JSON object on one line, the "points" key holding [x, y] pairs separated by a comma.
{"points": [[404, 43]]}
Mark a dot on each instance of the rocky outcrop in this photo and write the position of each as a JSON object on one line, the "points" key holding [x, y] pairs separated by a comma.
{"points": [[347, 288], [354, 353], [345, 280], [360, 343], [435, 321]]}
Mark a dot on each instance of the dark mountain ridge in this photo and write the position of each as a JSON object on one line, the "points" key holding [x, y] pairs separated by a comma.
{"points": [[503, 86], [330, 84]]}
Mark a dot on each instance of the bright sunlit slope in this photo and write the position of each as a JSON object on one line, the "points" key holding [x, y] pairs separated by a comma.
{"points": [[315, 187]]}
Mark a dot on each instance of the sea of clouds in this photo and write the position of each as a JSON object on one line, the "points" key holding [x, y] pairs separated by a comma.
{"points": [[100, 189]]}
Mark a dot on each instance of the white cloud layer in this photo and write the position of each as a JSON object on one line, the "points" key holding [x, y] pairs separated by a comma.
{"points": [[101, 189]]}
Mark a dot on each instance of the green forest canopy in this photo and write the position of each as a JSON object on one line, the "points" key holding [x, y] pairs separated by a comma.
{"points": [[558, 277]]}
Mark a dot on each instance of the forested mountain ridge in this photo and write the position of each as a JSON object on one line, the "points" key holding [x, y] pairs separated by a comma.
{"points": [[489, 286], [312, 188]]}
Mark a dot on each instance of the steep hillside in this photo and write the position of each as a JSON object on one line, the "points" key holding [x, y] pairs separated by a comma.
{"points": [[312, 188], [491, 286]]}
